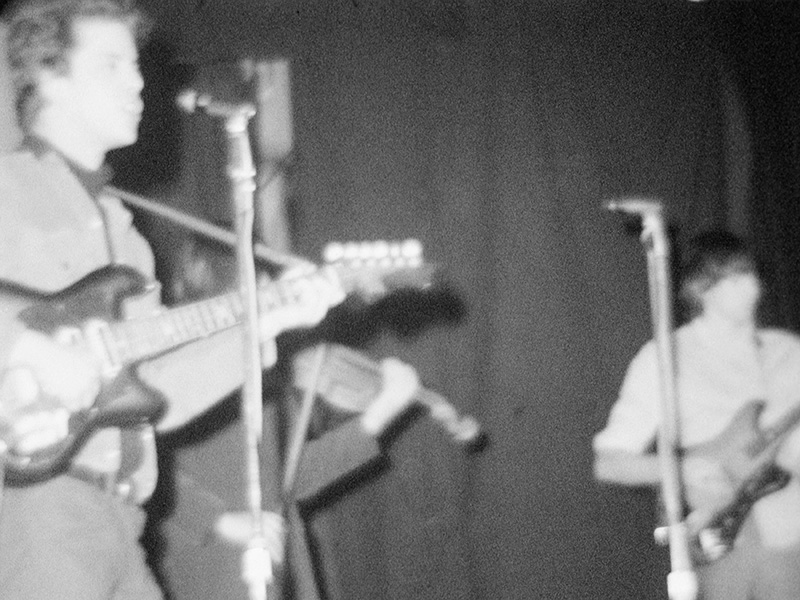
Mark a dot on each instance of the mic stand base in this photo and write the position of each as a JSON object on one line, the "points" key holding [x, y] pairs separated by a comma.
{"points": [[257, 568], [682, 585]]}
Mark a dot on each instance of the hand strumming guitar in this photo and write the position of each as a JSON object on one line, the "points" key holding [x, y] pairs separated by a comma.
{"points": [[707, 486], [42, 383]]}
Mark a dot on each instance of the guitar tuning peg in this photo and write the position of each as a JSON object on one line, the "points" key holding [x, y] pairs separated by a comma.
{"points": [[407, 252], [397, 251], [365, 251], [333, 252], [380, 250], [357, 251], [412, 249]]}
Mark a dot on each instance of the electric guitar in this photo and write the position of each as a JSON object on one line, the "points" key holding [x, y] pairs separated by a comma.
{"points": [[746, 453], [91, 313]]}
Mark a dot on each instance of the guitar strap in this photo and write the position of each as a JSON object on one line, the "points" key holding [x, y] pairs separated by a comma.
{"points": [[112, 255]]}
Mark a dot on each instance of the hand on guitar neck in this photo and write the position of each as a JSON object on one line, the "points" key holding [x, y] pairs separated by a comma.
{"points": [[303, 298]]}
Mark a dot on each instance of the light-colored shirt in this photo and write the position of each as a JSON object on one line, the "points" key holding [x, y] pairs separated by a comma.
{"points": [[716, 376]]}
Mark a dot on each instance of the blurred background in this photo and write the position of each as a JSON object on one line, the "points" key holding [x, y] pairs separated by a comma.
{"points": [[495, 133]]}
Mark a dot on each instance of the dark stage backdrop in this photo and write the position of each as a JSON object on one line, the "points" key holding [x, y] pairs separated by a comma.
{"points": [[494, 133]]}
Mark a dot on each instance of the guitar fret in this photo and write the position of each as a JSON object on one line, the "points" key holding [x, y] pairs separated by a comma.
{"points": [[135, 339], [125, 340], [139, 338], [148, 338], [235, 307], [221, 313], [188, 324], [207, 317], [180, 321], [193, 325], [178, 330]]}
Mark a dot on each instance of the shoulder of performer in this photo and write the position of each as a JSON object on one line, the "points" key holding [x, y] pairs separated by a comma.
{"points": [[16, 170], [776, 339], [28, 182], [642, 369]]}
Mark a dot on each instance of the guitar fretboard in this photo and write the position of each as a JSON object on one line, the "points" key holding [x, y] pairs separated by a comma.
{"points": [[136, 339], [127, 342]]}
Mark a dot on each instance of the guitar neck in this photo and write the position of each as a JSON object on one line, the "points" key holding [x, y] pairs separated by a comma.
{"points": [[774, 434], [137, 339], [127, 342]]}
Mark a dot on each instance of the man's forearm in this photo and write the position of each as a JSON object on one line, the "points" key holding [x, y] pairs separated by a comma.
{"points": [[627, 468], [195, 377]]}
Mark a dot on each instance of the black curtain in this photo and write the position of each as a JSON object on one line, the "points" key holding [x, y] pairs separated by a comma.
{"points": [[495, 133]]}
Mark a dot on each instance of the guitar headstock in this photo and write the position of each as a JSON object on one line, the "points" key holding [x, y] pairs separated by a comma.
{"points": [[375, 268]]}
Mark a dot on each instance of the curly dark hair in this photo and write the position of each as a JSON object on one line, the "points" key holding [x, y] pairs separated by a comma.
{"points": [[41, 33]]}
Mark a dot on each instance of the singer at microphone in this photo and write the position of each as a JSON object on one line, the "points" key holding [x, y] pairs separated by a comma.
{"points": [[190, 100]]}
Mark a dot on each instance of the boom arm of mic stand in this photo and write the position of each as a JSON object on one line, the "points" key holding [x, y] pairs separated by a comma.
{"points": [[682, 581]]}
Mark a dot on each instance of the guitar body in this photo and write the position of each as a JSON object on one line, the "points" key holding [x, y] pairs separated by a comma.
{"points": [[99, 295], [123, 401], [90, 312], [739, 449], [746, 454]]}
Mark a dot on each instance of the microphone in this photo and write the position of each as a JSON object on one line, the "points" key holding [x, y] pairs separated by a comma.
{"points": [[190, 100], [636, 206]]}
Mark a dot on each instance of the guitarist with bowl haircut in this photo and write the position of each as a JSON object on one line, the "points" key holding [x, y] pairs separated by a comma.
{"points": [[69, 249], [738, 390]]}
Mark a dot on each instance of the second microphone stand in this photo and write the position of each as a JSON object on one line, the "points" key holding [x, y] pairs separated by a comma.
{"points": [[682, 581]]}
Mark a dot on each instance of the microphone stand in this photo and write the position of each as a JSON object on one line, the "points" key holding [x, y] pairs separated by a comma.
{"points": [[257, 570], [681, 581]]}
